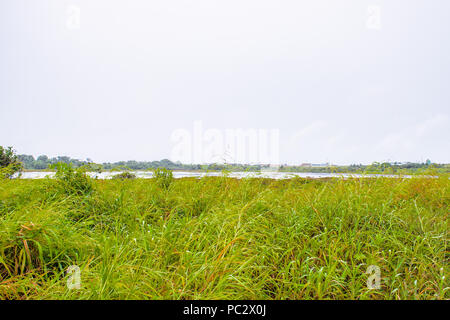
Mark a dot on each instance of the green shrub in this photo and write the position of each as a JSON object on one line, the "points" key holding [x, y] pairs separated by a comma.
{"points": [[163, 177], [9, 162], [124, 175], [93, 167], [72, 181]]}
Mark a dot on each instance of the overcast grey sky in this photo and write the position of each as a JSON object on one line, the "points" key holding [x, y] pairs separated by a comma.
{"points": [[340, 84]]}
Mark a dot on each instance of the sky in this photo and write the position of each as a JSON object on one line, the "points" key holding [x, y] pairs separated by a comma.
{"points": [[339, 81]]}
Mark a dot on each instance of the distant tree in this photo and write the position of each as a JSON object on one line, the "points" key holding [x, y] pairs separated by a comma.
{"points": [[27, 160], [163, 177], [40, 165], [9, 162], [63, 159]]}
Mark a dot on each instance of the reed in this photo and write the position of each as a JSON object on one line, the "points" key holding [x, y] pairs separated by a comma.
{"points": [[223, 238]]}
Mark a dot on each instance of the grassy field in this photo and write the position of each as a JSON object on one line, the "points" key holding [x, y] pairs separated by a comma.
{"points": [[222, 238]]}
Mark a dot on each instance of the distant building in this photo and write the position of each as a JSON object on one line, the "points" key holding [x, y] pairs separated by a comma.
{"points": [[320, 165], [305, 165]]}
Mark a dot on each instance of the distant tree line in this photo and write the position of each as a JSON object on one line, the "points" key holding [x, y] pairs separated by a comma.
{"points": [[44, 162], [385, 167]]}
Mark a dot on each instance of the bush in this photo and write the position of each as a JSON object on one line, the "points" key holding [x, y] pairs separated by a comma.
{"points": [[93, 167], [9, 162], [124, 175], [163, 177], [72, 181]]}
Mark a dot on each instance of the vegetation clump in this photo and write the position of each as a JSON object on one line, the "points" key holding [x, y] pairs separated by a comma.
{"points": [[124, 176], [72, 181], [9, 163], [163, 177]]}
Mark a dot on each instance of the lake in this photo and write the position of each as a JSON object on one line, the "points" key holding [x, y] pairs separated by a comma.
{"points": [[239, 175]]}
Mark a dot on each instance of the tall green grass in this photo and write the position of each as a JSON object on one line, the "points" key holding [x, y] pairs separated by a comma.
{"points": [[223, 238]]}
